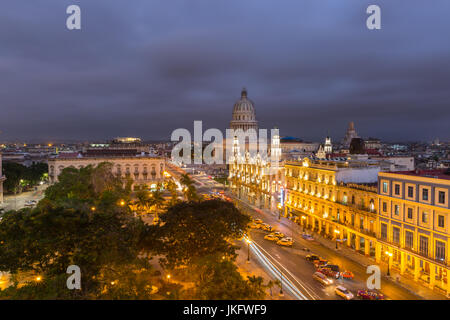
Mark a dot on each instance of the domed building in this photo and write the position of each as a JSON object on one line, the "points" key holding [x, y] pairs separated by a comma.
{"points": [[244, 116]]}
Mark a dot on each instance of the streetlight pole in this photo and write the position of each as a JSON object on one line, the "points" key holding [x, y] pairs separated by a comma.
{"points": [[248, 249], [389, 254], [337, 232]]}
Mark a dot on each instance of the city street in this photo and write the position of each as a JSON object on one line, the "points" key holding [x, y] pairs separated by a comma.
{"points": [[292, 260], [15, 202]]}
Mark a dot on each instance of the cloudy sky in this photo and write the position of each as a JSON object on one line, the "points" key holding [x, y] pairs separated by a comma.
{"points": [[146, 67]]}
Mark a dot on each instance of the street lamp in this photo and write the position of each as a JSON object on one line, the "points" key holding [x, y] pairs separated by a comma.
{"points": [[303, 222], [389, 254], [279, 206], [248, 249], [168, 278], [122, 203], [337, 232]]}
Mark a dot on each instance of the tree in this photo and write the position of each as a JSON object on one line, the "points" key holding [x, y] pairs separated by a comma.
{"points": [[220, 280], [75, 224], [157, 200], [143, 199], [189, 190], [191, 230], [172, 188]]}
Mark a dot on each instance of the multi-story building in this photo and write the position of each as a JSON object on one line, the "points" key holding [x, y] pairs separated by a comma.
{"points": [[2, 178], [336, 199], [413, 230], [142, 169], [258, 179]]}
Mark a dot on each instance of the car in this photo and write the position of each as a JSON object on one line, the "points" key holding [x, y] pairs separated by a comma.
{"points": [[307, 237], [369, 295], [287, 242], [271, 237], [330, 270], [278, 234], [320, 263], [258, 221], [306, 249], [266, 227], [347, 274], [312, 257], [323, 279], [344, 293], [255, 225]]}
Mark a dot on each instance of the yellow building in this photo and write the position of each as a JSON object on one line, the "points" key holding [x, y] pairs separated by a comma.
{"points": [[336, 199], [413, 225]]}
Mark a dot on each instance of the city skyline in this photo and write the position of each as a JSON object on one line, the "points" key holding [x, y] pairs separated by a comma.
{"points": [[151, 68]]}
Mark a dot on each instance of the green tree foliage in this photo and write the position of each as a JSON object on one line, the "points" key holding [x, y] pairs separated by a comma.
{"points": [[64, 230], [191, 230], [15, 172], [219, 279], [189, 190], [172, 188]]}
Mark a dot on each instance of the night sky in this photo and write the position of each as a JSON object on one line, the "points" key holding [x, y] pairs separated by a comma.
{"points": [[145, 67]]}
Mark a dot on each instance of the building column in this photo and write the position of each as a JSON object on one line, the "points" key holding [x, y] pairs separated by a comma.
{"points": [[432, 275], [366, 247], [349, 239], [357, 243], [448, 283], [402, 262], [377, 252], [416, 269], [320, 225]]}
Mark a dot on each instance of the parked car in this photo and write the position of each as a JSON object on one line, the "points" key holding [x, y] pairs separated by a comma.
{"points": [[287, 242], [370, 295], [312, 257], [266, 227], [271, 237], [330, 270], [258, 221], [347, 274], [255, 225], [344, 293], [278, 234], [320, 263], [323, 279], [307, 237]]}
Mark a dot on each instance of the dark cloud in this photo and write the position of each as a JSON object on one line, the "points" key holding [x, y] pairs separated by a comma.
{"points": [[147, 67]]}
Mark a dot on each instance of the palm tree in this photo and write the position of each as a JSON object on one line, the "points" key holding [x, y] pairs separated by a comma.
{"points": [[157, 200], [143, 199], [189, 189], [172, 188]]}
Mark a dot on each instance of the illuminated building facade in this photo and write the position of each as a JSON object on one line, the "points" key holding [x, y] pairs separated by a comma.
{"points": [[413, 231], [336, 199], [257, 179]]}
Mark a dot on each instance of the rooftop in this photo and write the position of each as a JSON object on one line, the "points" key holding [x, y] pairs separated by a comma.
{"points": [[436, 173]]}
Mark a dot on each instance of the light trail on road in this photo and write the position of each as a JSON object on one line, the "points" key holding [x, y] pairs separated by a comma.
{"points": [[308, 290], [280, 275]]}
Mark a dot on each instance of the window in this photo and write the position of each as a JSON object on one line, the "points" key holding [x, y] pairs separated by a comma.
{"points": [[409, 239], [425, 217], [411, 192], [425, 194], [397, 189], [441, 221], [410, 213], [385, 187], [423, 245], [396, 209], [384, 231], [353, 199], [441, 197], [440, 250], [396, 235], [384, 207]]}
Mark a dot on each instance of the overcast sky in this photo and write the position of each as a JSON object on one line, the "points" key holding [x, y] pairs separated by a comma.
{"points": [[146, 67]]}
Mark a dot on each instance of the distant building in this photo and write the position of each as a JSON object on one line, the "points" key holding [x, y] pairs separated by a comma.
{"points": [[244, 116], [349, 135], [372, 143], [142, 169]]}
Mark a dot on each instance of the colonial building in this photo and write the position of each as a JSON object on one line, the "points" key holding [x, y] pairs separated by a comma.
{"points": [[2, 178], [413, 230], [335, 199], [142, 169], [258, 179]]}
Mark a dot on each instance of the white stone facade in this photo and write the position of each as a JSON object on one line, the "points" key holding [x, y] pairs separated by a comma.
{"points": [[143, 170]]}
